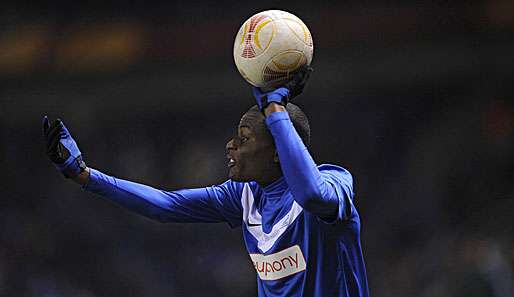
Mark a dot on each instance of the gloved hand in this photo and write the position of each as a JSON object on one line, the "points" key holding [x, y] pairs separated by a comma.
{"points": [[62, 149], [282, 95]]}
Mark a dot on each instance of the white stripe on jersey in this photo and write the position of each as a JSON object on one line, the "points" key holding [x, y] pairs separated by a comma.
{"points": [[252, 217]]}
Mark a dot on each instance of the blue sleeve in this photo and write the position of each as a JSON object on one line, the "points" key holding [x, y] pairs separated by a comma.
{"points": [[210, 204], [324, 195]]}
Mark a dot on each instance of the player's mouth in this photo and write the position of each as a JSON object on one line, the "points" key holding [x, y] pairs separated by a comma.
{"points": [[231, 162]]}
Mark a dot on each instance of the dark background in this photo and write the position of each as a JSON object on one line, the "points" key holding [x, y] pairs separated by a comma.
{"points": [[416, 100]]}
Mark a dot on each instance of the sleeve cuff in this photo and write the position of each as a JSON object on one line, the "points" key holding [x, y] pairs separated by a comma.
{"points": [[92, 181], [277, 116]]}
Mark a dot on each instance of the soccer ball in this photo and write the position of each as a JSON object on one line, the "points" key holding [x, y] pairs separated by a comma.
{"points": [[270, 46]]}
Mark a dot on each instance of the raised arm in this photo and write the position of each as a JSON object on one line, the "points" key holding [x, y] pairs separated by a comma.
{"points": [[309, 187], [210, 204], [327, 194]]}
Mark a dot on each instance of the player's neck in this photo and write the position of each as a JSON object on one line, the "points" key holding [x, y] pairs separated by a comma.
{"points": [[269, 178], [276, 188]]}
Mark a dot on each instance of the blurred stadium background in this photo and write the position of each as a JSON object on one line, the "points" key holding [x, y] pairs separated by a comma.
{"points": [[416, 100]]}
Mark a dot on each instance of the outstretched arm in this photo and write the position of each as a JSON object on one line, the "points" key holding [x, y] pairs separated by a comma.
{"points": [[210, 204]]}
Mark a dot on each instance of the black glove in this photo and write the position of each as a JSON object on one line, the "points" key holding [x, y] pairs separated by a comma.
{"points": [[288, 91], [62, 149], [300, 78]]}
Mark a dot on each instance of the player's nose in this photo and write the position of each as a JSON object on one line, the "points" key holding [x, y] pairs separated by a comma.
{"points": [[230, 145]]}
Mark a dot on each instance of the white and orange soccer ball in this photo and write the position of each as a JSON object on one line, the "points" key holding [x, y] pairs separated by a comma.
{"points": [[270, 46]]}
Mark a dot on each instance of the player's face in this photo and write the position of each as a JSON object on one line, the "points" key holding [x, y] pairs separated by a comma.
{"points": [[251, 153]]}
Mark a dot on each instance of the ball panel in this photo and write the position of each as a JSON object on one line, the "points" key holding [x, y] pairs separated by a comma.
{"points": [[243, 34], [299, 30], [243, 74], [264, 35], [251, 46], [279, 69], [287, 61]]}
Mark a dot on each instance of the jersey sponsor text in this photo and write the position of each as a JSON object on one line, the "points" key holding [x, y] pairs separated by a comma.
{"points": [[280, 264]]}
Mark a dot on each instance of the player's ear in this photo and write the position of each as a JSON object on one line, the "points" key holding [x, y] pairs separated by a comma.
{"points": [[275, 157]]}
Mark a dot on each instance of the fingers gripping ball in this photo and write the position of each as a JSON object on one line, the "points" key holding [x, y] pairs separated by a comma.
{"points": [[284, 94], [299, 80], [62, 149]]}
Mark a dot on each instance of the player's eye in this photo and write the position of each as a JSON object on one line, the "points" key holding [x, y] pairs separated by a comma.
{"points": [[240, 139]]}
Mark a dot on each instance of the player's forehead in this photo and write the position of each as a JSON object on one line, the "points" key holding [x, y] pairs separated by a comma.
{"points": [[252, 120]]}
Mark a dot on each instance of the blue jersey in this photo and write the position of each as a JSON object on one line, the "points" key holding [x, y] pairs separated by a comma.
{"points": [[297, 245]]}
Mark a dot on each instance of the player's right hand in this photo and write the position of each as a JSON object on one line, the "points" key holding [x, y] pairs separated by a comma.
{"points": [[285, 93], [300, 78], [62, 149]]}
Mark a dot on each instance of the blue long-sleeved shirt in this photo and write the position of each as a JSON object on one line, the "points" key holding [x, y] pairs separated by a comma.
{"points": [[302, 232]]}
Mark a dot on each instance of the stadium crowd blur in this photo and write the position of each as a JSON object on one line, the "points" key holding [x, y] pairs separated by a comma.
{"points": [[416, 101]]}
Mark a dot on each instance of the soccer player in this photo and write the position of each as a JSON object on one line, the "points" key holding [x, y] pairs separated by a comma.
{"points": [[300, 225]]}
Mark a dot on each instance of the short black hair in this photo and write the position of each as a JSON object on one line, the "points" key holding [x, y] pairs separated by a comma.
{"points": [[299, 119]]}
